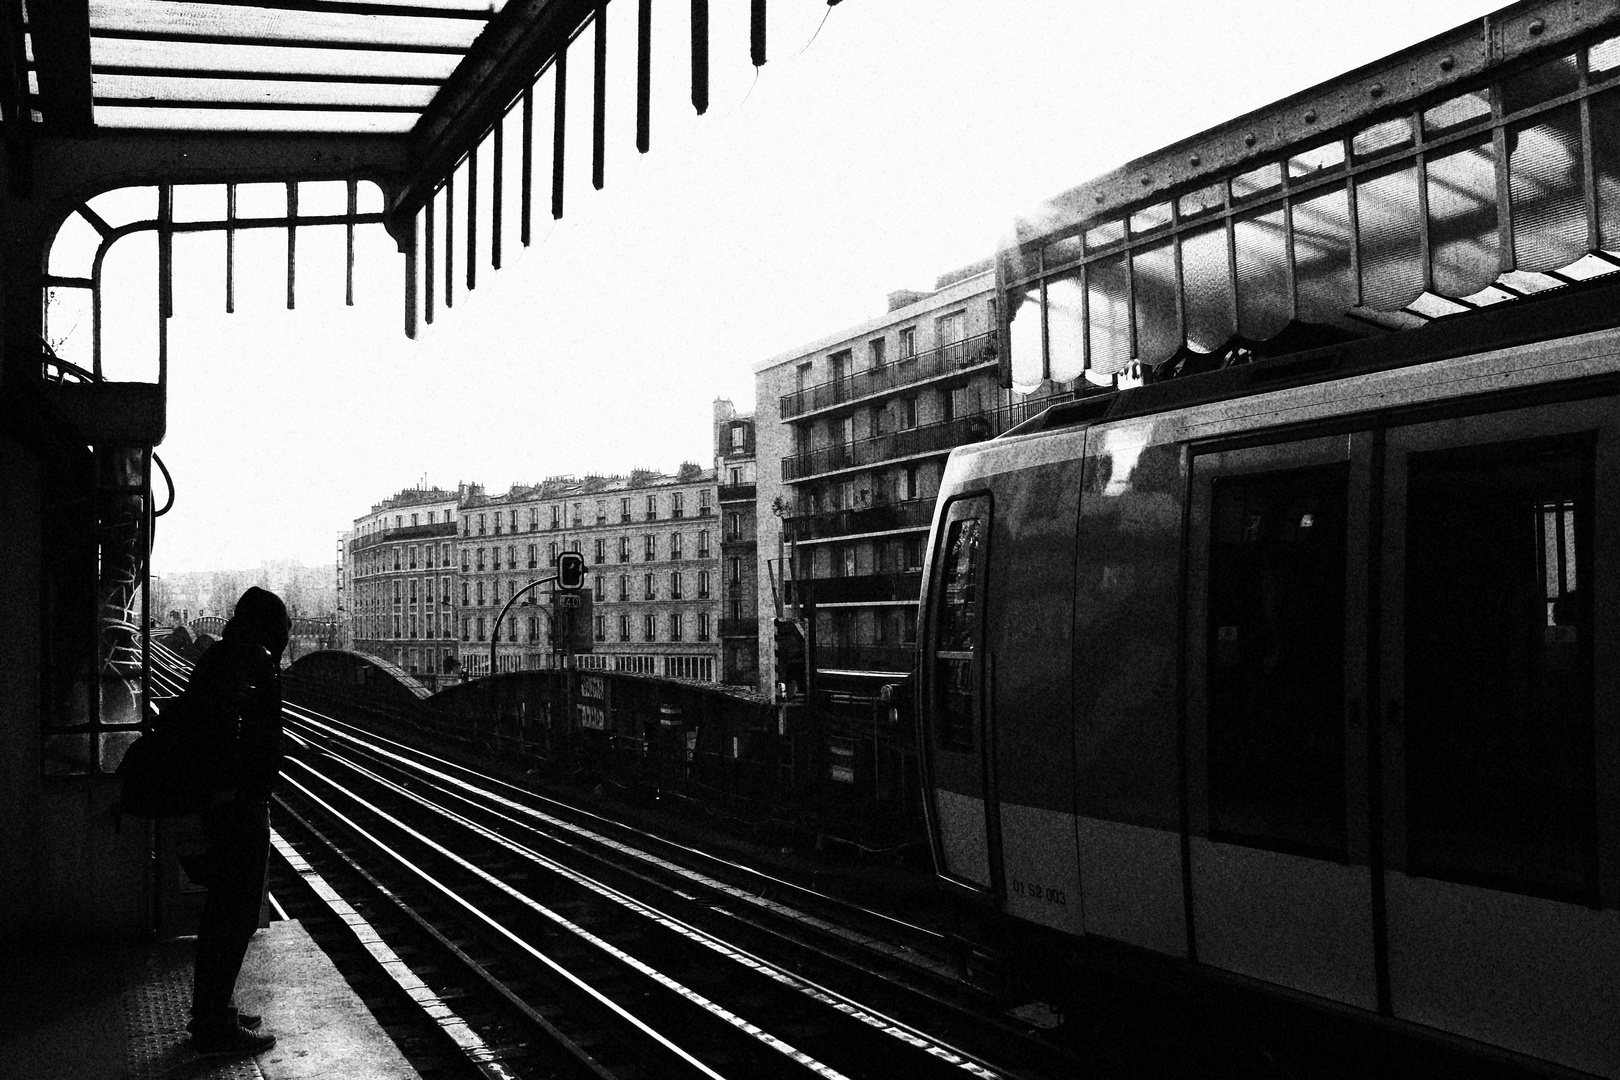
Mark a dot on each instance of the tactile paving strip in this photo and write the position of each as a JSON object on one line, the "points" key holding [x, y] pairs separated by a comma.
{"points": [[157, 1007]]}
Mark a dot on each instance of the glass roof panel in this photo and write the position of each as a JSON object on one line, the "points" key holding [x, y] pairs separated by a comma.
{"points": [[274, 59], [260, 92], [123, 116], [226, 22]]}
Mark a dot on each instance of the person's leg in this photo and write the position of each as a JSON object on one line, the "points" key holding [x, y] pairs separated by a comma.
{"points": [[238, 837]]}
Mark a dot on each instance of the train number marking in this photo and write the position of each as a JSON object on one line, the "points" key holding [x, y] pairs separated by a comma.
{"points": [[1045, 893]]}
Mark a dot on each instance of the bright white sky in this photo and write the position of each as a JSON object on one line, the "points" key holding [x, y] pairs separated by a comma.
{"points": [[897, 145]]}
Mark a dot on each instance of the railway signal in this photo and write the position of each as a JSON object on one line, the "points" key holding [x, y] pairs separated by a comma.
{"points": [[571, 571]]}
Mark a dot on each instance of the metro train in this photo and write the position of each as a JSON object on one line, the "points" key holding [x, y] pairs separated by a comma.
{"points": [[1305, 674]]}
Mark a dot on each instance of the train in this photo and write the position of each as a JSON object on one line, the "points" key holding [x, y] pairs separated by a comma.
{"points": [[1305, 674]]}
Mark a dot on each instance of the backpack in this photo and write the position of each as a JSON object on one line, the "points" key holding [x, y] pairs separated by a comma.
{"points": [[170, 771]]}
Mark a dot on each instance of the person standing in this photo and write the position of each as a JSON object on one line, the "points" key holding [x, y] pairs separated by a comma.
{"points": [[237, 685]]}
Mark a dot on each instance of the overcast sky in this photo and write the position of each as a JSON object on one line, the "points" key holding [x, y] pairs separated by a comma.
{"points": [[897, 144]]}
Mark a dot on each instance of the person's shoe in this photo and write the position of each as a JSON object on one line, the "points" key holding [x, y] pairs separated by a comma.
{"points": [[251, 1021], [233, 1040]]}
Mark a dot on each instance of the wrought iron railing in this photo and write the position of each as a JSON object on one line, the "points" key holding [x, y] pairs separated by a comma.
{"points": [[958, 355], [908, 514]]}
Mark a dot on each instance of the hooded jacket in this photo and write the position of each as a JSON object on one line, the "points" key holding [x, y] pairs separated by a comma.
{"points": [[237, 686]]}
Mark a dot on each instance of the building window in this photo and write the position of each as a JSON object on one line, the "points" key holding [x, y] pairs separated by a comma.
{"points": [[466, 526], [413, 590], [734, 526], [497, 523], [480, 558], [554, 549], [736, 570], [874, 352], [908, 412], [624, 586], [481, 524], [652, 508], [480, 628], [703, 584], [396, 592], [703, 502], [534, 519], [534, 556], [624, 549], [908, 343], [649, 627], [511, 557], [578, 520], [466, 629], [675, 585], [480, 593], [624, 509], [703, 626], [396, 558], [910, 488], [624, 628], [648, 591], [651, 547], [601, 628], [674, 545], [599, 587], [601, 550], [677, 507], [675, 625], [464, 556], [703, 544]]}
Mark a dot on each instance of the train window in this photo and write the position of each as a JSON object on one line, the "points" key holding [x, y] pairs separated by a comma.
{"points": [[1276, 659], [958, 624], [1498, 695]]}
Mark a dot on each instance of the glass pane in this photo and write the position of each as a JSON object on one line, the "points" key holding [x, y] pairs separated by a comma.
{"points": [[1382, 138], [1109, 315], [261, 91], [129, 310], [1150, 219], [320, 198], [173, 18], [1158, 324], [69, 325], [66, 755], [1206, 277], [1544, 172], [199, 202], [1388, 239], [1606, 165], [121, 116], [282, 59], [1256, 182], [1324, 158], [122, 206], [1024, 335], [1065, 327], [960, 620], [1603, 60], [1199, 202], [1322, 257], [73, 248], [1276, 659], [1104, 235], [1499, 758], [1264, 303], [1456, 113], [1553, 79], [1059, 252], [1463, 251]]}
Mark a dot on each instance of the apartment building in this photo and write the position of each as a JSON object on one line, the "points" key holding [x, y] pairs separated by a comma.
{"points": [[399, 571], [734, 464], [853, 431], [651, 547]]}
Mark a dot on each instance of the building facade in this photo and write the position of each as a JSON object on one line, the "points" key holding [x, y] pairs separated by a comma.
{"points": [[734, 464], [854, 430], [401, 569], [651, 544]]}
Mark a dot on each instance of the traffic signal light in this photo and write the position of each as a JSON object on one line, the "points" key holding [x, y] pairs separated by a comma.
{"points": [[571, 571], [790, 658]]}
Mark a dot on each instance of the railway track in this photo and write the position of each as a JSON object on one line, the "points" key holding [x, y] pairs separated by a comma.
{"points": [[540, 940]]}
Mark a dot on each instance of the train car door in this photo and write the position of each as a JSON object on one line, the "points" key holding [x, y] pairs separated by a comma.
{"points": [[1277, 643], [1499, 657], [959, 739]]}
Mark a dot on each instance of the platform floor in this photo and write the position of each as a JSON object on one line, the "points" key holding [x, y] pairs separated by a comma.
{"points": [[120, 1014]]}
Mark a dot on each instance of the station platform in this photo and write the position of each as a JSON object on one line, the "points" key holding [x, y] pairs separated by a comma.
{"points": [[120, 1014]]}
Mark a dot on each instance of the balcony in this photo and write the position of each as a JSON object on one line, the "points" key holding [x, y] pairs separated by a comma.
{"points": [[739, 628], [957, 356], [864, 589], [928, 439], [884, 517], [738, 492], [404, 532], [893, 658]]}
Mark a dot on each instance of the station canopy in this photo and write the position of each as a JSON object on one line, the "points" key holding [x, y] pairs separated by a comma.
{"points": [[1474, 169]]}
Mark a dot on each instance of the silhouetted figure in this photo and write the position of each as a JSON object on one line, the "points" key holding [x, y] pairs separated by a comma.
{"points": [[238, 681]]}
